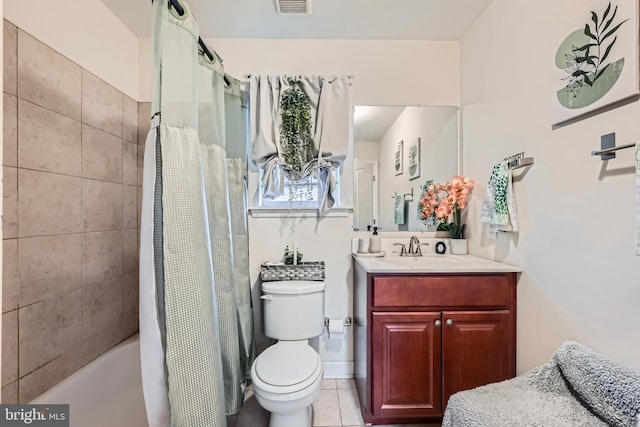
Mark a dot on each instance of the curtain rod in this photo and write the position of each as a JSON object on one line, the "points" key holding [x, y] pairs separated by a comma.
{"points": [[350, 76], [178, 7]]}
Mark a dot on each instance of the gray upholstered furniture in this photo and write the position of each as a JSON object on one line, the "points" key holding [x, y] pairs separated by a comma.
{"points": [[577, 387]]}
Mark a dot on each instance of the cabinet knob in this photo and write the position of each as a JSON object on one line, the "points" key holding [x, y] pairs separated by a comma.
{"points": [[437, 323], [449, 322]]}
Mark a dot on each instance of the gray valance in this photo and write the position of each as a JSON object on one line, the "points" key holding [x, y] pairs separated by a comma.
{"points": [[329, 101]]}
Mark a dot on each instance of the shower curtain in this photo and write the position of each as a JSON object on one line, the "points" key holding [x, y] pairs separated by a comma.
{"points": [[195, 326]]}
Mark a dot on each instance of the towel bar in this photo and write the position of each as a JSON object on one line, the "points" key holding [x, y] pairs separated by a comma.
{"points": [[608, 147], [518, 161]]}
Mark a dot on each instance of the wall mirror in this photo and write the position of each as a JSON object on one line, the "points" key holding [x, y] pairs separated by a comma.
{"points": [[396, 150]]}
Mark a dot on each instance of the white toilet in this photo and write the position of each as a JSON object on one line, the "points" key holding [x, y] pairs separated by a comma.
{"points": [[287, 376]]}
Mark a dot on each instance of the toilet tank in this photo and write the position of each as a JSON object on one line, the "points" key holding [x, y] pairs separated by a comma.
{"points": [[293, 310]]}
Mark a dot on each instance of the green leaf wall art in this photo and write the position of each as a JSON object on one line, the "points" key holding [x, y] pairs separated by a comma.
{"points": [[596, 60], [414, 159]]}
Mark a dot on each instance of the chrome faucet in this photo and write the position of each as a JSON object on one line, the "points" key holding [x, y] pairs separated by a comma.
{"points": [[415, 247]]}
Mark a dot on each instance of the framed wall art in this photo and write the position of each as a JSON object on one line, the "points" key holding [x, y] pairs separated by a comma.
{"points": [[596, 60], [399, 157], [413, 166]]}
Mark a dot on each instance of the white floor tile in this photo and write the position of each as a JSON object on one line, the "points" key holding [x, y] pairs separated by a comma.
{"points": [[346, 383], [328, 384], [326, 409], [350, 407]]}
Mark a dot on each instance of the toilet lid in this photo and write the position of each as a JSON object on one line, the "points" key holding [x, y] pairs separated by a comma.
{"points": [[285, 365]]}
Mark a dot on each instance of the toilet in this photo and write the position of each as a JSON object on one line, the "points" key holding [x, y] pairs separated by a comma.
{"points": [[287, 376]]}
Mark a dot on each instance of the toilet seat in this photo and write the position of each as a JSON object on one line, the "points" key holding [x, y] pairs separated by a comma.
{"points": [[287, 367]]}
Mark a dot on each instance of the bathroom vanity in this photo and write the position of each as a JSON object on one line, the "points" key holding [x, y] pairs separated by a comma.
{"points": [[428, 327]]}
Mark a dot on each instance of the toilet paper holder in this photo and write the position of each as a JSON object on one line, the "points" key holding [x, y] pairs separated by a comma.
{"points": [[347, 321]]}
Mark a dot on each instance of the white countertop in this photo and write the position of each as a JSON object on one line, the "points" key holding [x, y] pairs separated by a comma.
{"points": [[392, 263]]}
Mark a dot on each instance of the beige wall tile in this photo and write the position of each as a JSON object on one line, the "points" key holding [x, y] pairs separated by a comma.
{"points": [[10, 394], [9, 347], [42, 379], [10, 203], [144, 121], [102, 256], [9, 275], [140, 164], [130, 251], [10, 51], [101, 205], [103, 305], [49, 266], [131, 293], [49, 141], [101, 104], [48, 203], [129, 206], [129, 163], [48, 329], [47, 78], [103, 317], [130, 324], [10, 132], [139, 204], [101, 155], [100, 343], [129, 119]]}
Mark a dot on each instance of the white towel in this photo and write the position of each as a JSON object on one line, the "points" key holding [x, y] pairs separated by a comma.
{"points": [[499, 206], [398, 207], [638, 201]]}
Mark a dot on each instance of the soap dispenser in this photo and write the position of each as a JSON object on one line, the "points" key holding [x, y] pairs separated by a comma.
{"points": [[374, 242]]}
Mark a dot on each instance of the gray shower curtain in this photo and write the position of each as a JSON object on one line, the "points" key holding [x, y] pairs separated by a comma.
{"points": [[193, 366]]}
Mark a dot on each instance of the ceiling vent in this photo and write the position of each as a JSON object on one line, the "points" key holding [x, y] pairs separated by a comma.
{"points": [[293, 6]]}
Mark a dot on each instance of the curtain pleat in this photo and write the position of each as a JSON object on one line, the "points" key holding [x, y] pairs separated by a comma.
{"points": [[235, 118], [192, 367]]}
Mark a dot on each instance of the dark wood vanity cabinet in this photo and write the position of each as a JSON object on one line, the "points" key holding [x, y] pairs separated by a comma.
{"points": [[420, 338]]}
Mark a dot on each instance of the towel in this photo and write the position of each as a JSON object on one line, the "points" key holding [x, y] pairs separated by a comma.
{"points": [[638, 198], [499, 206], [398, 208]]}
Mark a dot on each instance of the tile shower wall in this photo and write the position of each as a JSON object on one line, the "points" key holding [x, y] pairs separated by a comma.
{"points": [[70, 220]]}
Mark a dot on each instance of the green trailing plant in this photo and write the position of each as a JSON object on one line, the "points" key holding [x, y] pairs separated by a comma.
{"points": [[296, 141], [295, 132], [586, 63], [288, 256]]}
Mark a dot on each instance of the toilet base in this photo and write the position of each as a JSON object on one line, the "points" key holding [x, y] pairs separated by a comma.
{"points": [[301, 418]]}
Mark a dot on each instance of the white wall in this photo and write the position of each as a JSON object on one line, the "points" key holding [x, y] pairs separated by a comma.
{"points": [[437, 127], [85, 32], [366, 150], [386, 72], [581, 280]]}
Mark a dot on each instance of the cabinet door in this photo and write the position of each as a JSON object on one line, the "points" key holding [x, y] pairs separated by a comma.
{"points": [[477, 349], [406, 364]]}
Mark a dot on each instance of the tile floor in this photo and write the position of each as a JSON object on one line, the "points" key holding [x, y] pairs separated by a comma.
{"points": [[336, 406]]}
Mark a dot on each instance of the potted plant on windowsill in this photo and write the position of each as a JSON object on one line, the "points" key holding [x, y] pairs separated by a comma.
{"points": [[439, 202], [296, 142]]}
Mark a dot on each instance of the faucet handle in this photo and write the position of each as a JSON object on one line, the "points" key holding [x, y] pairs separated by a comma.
{"points": [[403, 248], [419, 251]]}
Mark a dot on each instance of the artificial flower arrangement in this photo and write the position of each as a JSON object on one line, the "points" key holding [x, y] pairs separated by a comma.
{"points": [[441, 201]]}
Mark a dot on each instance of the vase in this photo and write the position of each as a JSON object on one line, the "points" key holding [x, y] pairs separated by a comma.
{"points": [[458, 246]]}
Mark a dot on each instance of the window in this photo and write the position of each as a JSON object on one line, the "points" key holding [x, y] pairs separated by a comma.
{"points": [[305, 193]]}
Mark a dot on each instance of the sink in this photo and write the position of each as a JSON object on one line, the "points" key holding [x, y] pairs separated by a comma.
{"points": [[424, 261]]}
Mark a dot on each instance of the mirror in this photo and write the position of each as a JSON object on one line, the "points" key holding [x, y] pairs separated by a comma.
{"points": [[396, 150]]}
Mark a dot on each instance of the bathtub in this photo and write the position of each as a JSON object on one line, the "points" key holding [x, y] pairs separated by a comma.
{"points": [[105, 393]]}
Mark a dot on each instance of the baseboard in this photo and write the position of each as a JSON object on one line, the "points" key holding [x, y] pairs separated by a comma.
{"points": [[338, 369]]}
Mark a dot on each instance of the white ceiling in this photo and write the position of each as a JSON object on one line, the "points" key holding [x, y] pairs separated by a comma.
{"points": [[330, 19], [370, 123]]}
